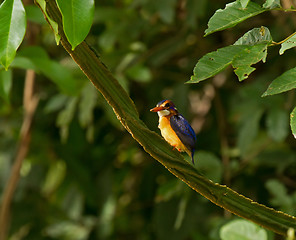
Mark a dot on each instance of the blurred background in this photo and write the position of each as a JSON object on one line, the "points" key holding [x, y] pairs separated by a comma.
{"points": [[85, 177]]}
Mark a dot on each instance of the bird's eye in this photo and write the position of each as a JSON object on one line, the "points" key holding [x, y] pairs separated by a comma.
{"points": [[167, 105]]}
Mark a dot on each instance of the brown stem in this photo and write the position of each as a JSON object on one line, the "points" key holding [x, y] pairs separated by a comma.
{"points": [[30, 104]]}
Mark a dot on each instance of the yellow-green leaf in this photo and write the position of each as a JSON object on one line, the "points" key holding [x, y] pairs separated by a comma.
{"points": [[290, 43], [5, 84], [53, 24], [244, 3], [77, 19], [283, 83], [272, 4], [277, 121], [255, 36], [241, 57], [293, 122], [12, 29], [231, 15], [214, 62], [243, 230], [247, 57]]}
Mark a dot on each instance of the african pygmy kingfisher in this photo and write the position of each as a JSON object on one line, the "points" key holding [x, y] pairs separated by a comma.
{"points": [[174, 128]]}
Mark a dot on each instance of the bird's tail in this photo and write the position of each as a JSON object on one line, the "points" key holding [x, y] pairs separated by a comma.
{"points": [[191, 154], [192, 158]]}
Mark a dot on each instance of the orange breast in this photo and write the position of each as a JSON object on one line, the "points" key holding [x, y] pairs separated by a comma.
{"points": [[169, 135]]}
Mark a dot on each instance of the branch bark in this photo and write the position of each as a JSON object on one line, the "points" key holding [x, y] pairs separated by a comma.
{"points": [[153, 144]]}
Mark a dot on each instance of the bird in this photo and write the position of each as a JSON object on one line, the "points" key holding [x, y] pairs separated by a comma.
{"points": [[175, 128]]}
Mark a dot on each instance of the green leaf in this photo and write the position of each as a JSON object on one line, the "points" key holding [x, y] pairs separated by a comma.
{"points": [[272, 4], [33, 52], [246, 51], [277, 124], [12, 29], [233, 14], [54, 177], [139, 73], [73, 230], [249, 131], [280, 196], [55, 103], [23, 63], [293, 122], [290, 43], [5, 84], [214, 62], [279, 191], [77, 19], [244, 3], [38, 59], [183, 205], [89, 97], [283, 83], [53, 24], [255, 36], [240, 56], [65, 117], [58, 74], [242, 230], [247, 57], [87, 104]]}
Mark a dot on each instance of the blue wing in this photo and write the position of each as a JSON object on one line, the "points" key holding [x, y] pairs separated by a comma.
{"points": [[184, 131]]}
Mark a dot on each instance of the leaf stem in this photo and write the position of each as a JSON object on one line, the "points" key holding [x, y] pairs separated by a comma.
{"points": [[279, 43], [285, 9]]}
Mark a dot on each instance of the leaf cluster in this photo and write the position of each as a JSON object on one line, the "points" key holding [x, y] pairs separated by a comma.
{"points": [[248, 50]]}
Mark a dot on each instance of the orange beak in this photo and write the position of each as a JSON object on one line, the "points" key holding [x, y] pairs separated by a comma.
{"points": [[156, 109]]}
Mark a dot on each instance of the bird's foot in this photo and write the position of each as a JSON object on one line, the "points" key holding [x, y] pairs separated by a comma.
{"points": [[174, 147]]}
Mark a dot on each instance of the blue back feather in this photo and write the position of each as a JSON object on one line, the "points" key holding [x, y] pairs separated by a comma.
{"points": [[184, 131]]}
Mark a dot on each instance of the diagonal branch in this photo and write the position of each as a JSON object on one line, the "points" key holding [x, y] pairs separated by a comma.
{"points": [[153, 144]]}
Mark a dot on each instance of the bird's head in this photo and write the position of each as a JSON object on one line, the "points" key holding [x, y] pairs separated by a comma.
{"points": [[165, 108]]}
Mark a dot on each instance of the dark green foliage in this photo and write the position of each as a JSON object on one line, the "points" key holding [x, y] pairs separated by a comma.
{"points": [[85, 177]]}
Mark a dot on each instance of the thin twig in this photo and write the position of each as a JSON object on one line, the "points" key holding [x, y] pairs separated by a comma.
{"points": [[287, 38], [285, 9], [30, 104]]}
